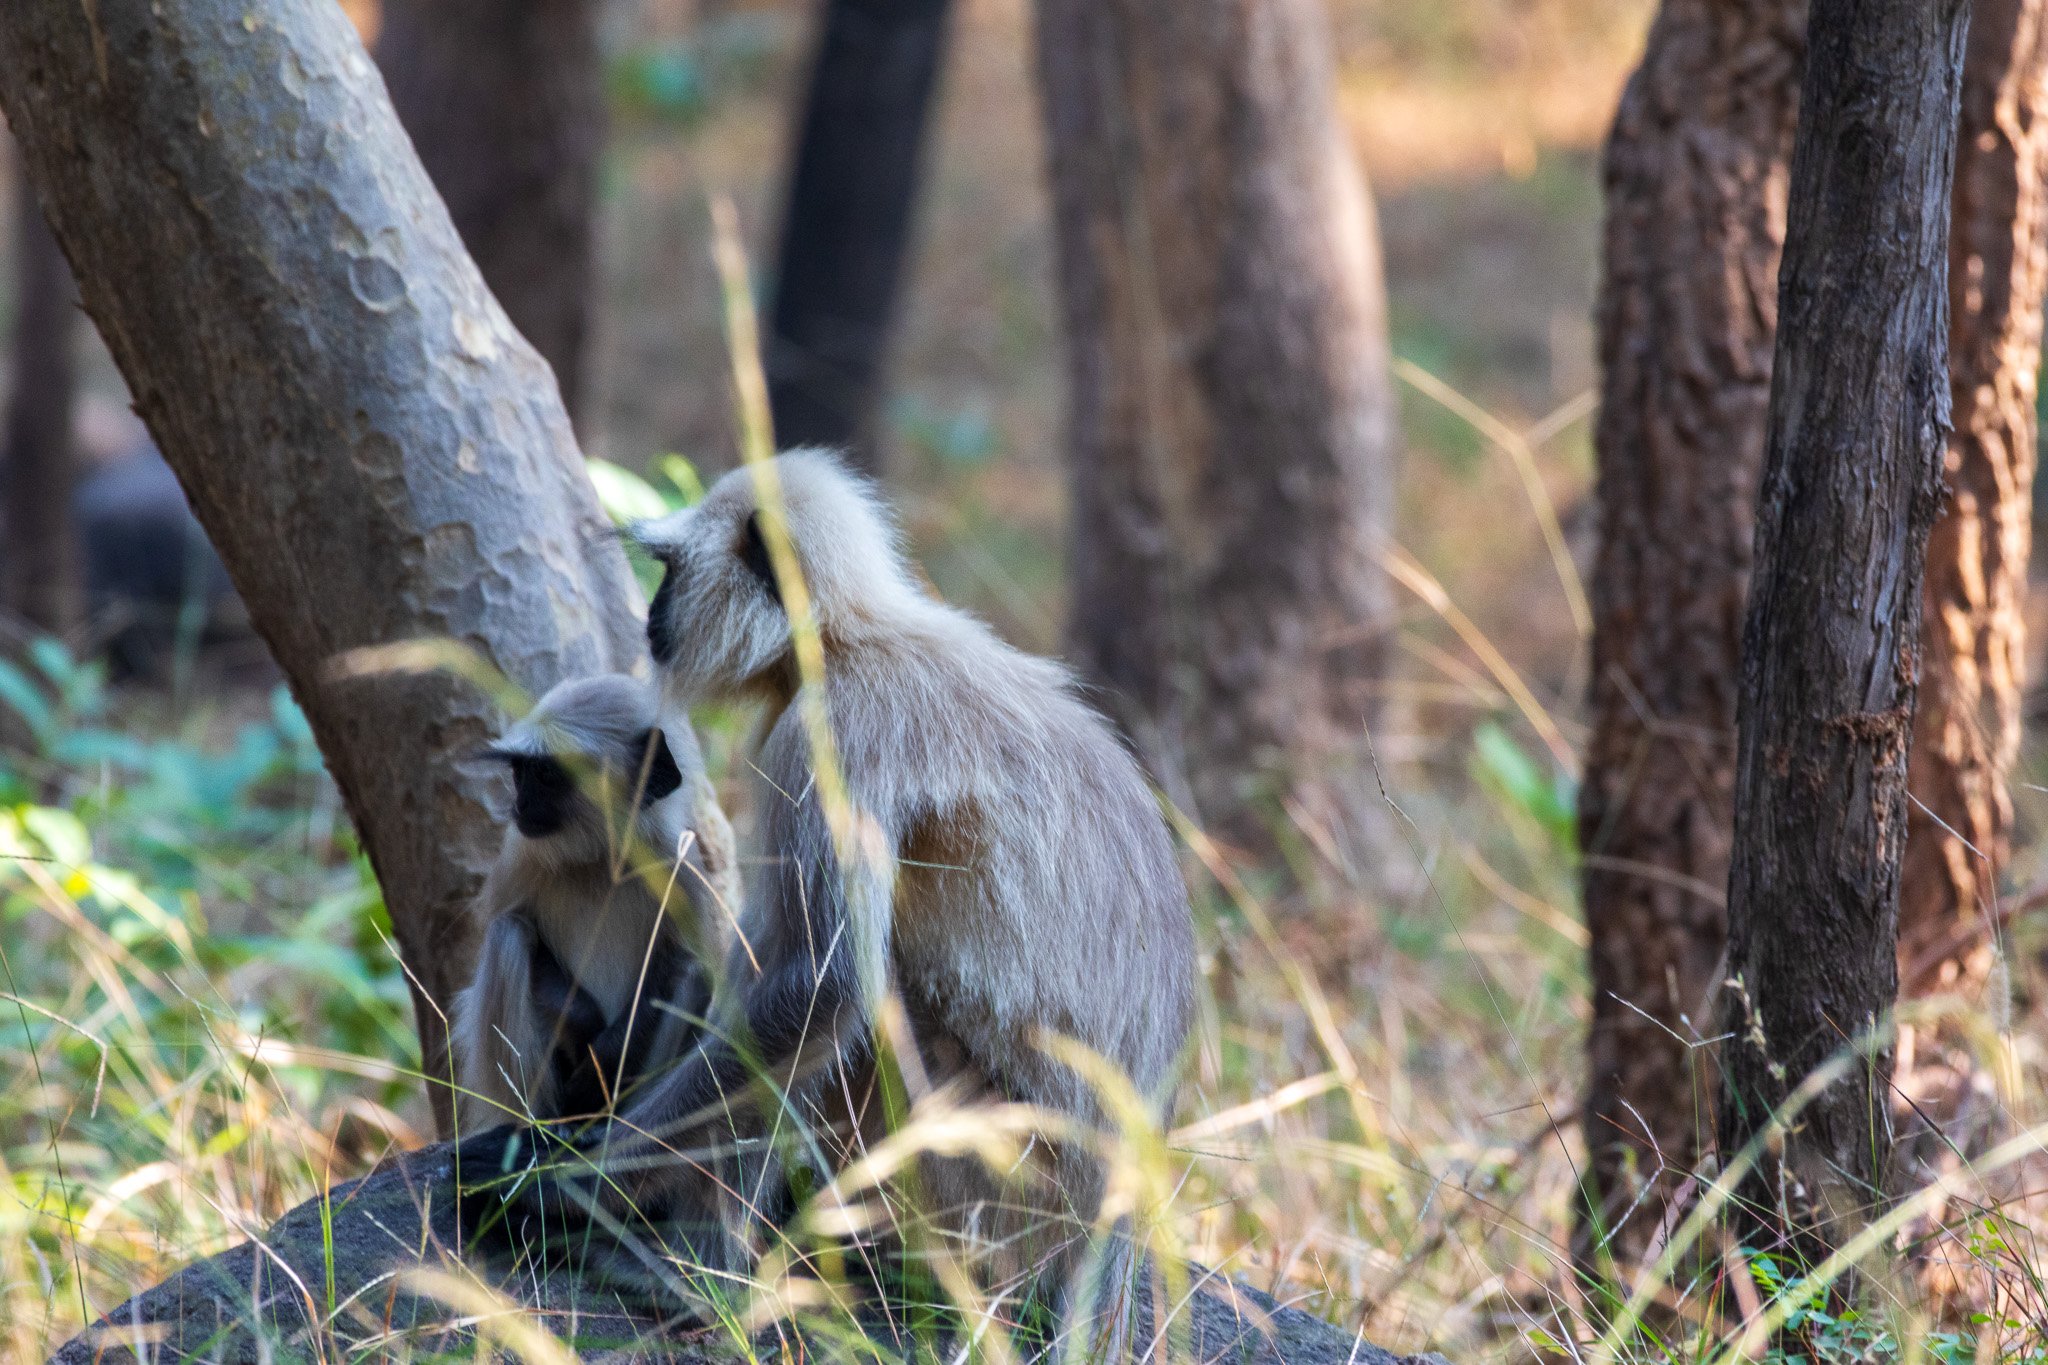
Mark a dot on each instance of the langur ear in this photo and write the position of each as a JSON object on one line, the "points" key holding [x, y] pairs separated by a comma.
{"points": [[663, 776]]}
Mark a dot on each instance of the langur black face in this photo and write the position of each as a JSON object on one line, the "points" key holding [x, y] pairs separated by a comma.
{"points": [[756, 574], [543, 792], [548, 794], [717, 621]]}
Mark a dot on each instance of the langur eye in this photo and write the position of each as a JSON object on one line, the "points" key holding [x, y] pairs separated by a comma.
{"points": [[753, 553]]}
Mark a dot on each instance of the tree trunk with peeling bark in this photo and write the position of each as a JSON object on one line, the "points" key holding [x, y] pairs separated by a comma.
{"points": [[1230, 424], [375, 451], [505, 105], [847, 220], [1967, 731], [1696, 169], [1859, 418], [39, 559]]}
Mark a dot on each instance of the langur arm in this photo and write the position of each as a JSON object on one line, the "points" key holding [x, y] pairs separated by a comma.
{"points": [[804, 988], [808, 1007], [573, 1013], [806, 983], [607, 1064], [800, 1015], [515, 1023]]}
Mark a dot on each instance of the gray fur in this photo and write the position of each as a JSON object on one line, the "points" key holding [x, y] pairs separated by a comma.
{"points": [[621, 888], [1006, 869]]}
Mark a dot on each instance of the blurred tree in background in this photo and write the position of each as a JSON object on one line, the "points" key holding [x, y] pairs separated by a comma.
{"points": [[505, 106], [1230, 422], [848, 212], [40, 582], [1973, 674]]}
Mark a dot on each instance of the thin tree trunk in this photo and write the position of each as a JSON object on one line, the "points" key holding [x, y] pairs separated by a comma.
{"points": [[505, 105], [1852, 484], [376, 453], [847, 219], [1696, 170], [40, 555], [1967, 731], [1230, 424]]}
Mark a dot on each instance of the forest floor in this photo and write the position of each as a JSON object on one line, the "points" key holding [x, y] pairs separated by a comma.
{"points": [[203, 1023]]}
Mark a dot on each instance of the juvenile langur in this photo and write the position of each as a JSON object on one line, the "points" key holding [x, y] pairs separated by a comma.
{"points": [[602, 918], [998, 863]]}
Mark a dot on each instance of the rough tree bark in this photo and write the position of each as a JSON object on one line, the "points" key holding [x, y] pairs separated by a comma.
{"points": [[1230, 426], [377, 454], [1967, 730], [848, 217], [39, 562], [1852, 484], [505, 105], [1696, 167]]}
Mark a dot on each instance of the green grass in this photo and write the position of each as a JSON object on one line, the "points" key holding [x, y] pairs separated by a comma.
{"points": [[204, 1025], [200, 1019]]}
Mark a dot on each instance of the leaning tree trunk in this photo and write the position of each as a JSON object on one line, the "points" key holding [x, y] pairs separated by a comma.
{"points": [[1852, 484], [847, 219], [1967, 733], [1695, 179], [1230, 436], [505, 105], [39, 567], [376, 453]]}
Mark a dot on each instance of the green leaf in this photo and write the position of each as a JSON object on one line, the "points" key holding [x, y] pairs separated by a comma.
{"points": [[682, 475], [51, 656], [26, 700], [1523, 782], [62, 834], [90, 748], [624, 495], [665, 80]]}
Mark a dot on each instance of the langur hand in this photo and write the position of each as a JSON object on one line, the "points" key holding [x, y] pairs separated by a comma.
{"points": [[521, 1187], [603, 1177], [586, 1081]]}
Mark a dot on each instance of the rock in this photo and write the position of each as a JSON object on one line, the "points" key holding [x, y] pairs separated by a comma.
{"points": [[271, 1301]]}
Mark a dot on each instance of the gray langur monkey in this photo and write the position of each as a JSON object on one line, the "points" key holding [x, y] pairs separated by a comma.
{"points": [[603, 921], [999, 864]]}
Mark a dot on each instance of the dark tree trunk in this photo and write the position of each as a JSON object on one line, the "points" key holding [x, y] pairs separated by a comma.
{"points": [[1696, 170], [376, 453], [505, 105], [1852, 483], [847, 219], [40, 554], [1231, 422], [1967, 730]]}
